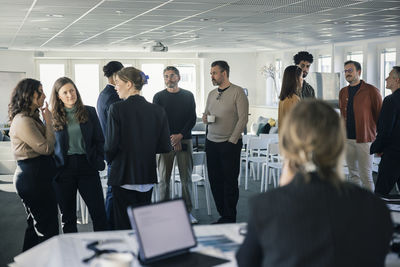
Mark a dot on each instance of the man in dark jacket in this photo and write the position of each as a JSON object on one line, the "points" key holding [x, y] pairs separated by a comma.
{"points": [[387, 143], [106, 98]]}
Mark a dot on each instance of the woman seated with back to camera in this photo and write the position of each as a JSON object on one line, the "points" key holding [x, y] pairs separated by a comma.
{"points": [[315, 218]]}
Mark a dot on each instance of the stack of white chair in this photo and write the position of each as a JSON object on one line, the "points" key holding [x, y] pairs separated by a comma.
{"points": [[199, 178], [243, 153], [271, 169], [254, 155]]}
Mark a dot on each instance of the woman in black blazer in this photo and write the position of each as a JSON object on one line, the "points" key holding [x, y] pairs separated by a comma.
{"points": [[136, 131], [79, 154], [315, 218]]}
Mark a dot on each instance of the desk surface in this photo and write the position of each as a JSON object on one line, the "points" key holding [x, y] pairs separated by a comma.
{"points": [[69, 249]]}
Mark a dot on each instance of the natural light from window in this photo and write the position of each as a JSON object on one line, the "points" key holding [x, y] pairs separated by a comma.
{"points": [[48, 74], [87, 82]]}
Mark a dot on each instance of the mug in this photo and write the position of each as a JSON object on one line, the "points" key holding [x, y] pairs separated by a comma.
{"points": [[210, 118]]}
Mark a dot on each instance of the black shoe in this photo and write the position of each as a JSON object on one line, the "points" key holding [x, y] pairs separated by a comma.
{"points": [[224, 220]]}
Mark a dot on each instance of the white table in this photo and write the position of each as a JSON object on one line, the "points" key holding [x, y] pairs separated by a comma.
{"points": [[69, 249]]}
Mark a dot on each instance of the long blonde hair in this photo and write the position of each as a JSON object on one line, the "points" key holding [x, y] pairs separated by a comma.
{"points": [[313, 138]]}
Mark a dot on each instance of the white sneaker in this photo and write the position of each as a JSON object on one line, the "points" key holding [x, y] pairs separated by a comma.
{"points": [[193, 220]]}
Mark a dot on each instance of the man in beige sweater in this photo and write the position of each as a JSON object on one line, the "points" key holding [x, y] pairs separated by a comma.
{"points": [[226, 116]]}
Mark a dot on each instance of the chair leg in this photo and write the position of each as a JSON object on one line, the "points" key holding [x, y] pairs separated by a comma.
{"points": [[195, 195], [246, 176], [207, 190], [262, 178]]}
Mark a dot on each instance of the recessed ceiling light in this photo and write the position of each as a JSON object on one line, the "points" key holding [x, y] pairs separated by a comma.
{"points": [[55, 15], [44, 29], [221, 29], [204, 19], [119, 12]]}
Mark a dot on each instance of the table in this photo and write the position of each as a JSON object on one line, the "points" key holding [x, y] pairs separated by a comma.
{"points": [[196, 134], [69, 249]]}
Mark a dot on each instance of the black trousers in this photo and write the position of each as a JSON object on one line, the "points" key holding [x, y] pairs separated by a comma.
{"points": [[122, 199], [223, 163], [388, 174], [79, 175], [33, 182]]}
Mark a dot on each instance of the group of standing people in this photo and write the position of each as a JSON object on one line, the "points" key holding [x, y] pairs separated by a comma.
{"points": [[62, 155]]}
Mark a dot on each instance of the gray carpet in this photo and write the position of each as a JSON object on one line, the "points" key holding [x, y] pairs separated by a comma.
{"points": [[12, 219]]}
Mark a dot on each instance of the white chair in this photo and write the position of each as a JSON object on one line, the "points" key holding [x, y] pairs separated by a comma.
{"points": [[253, 155], [199, 177], [273, 164], [83, 209], [243, 153]]}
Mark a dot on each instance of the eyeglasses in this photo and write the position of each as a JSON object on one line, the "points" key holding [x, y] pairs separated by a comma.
{"points": [[350, 70], [219, 95]]}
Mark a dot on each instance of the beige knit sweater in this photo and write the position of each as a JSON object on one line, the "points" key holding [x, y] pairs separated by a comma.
{"points": [[30, 138], [231, 111]]}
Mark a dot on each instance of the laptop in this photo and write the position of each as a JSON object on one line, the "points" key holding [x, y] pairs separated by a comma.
{"points": [[163, 230]]}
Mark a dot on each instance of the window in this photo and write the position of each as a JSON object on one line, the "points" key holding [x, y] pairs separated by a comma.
{"points": [[48, 74], [188, 77], [388, 60], [356, 56], [324, 63], [87, 82], [155, 82]]}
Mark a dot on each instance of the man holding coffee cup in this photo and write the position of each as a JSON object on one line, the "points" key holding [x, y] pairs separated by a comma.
{"points": [[226, 116], [180, 107]]}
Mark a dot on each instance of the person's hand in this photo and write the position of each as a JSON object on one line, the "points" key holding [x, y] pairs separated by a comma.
{"points": [[46, 113], [175, 139], [204, 118], [177, 147]]}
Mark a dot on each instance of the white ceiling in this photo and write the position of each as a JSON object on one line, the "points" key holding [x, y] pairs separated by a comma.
{"points": [[192, 25]]}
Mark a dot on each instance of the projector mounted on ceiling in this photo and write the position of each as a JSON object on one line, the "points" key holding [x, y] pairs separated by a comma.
{"points": [[159, 47]]}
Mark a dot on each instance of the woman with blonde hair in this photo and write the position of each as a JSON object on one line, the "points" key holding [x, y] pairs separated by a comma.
{"points": [[32, 143], [79, 155], [292, 82], [315, 218], [136, 131]]}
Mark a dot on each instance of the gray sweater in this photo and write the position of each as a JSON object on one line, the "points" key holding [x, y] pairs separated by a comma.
{"points": [[231, 111]]}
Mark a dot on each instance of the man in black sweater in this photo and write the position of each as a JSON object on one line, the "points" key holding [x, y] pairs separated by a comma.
{"points": [[387, 142], [180, 107]]}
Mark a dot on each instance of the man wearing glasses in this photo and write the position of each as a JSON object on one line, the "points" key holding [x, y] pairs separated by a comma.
{"points": [[360, 104], [180, 107], [226, 116]]}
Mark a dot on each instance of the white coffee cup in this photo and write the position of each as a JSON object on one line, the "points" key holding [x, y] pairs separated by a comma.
{"points": [[113, 260], [210, 118]]}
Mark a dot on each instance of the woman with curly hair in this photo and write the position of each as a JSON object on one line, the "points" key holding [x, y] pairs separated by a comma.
{"points": [[79, 155], [32, 143]]}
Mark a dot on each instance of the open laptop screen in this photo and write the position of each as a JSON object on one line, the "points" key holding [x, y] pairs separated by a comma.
{"points": [[163, 229]]}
